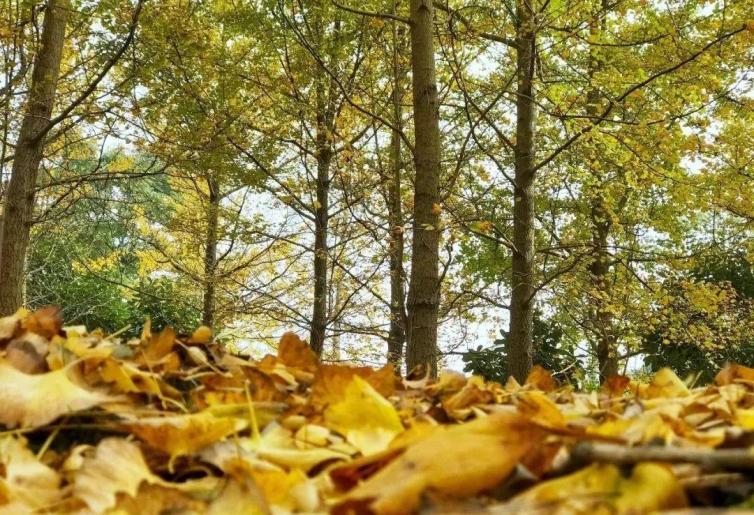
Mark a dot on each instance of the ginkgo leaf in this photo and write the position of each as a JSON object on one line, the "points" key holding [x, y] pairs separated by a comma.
{"points": [[665, 384], [331, 381], [453, 461], [179, 435], [116, 466], [35, 400], [601, 488], [367, 420], [294, 352], [26, 484]]}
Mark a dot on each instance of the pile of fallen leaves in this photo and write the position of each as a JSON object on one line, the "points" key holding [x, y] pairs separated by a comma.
{"points": [[173, 424]]}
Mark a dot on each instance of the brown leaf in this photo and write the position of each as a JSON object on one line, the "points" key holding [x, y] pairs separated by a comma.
{"points": [[541, 379], [28, 353], [331, 381], [294, 352], [732, 372], [615, 385], [46, 321]]}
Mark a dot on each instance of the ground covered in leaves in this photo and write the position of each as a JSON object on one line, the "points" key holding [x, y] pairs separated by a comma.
{"points": [[173, 424]]}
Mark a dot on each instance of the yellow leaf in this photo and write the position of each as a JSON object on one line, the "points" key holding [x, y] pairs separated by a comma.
{"points": [[453, 461], [665, 384], [116, 466], [367, 420], [602, 489], [179, 435], [35, 400], [26, 484], [202, 335]]}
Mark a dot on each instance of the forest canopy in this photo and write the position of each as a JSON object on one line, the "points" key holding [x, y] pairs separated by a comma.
{"points": [[484, 185]]}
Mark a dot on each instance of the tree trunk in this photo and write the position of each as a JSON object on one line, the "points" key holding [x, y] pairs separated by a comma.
{"points": [[522, 274], [325, 95], [599, 269], [424, 288], [602, 318], [19, 200], [210, 255], [321, 219], [397, 335]]}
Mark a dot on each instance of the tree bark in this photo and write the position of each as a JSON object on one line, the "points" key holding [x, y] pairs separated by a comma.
{"points": [[520, 344], [397, 334], [599, 269], [210, 255], [424, 288], [325, 100], [19, 200], [321, 220]]}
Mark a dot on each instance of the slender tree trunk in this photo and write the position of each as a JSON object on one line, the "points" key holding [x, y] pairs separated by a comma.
{"points": [[210, 255], [602, 318], [599, 269], [321, 217], [19, 200], [522, 284], [321, 220], [424, 287], [325, 98], [397, 335]]}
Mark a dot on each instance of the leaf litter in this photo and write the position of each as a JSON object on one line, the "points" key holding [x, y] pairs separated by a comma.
{"points": [[163, 423]]}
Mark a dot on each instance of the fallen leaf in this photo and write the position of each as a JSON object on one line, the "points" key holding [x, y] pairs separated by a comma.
{"points": [[294, 352], [46, 321], [367, 420], [35, 400], [665, 384], [331, 381], [179, 435], [601, 488], [26, 484], [453, 461], [202, 336], [116, 466], [541, 379]]}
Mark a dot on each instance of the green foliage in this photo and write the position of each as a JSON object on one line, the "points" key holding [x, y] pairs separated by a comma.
{"points": [[89, 263], [550, 352], [732, 341]]}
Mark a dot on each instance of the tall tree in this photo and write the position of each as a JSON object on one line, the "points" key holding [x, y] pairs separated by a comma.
{"points": [[424, 286], [398, 317], [19, 199], [522, 271]]}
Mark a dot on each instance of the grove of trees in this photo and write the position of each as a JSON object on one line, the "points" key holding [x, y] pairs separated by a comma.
{"points": [[494, 183]]}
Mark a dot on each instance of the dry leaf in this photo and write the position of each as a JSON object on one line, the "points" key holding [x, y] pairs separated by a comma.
{"points": [[26, 485], [367, 420], [116, 466], [35, 400], [179, 435], [453, 461], [294, 352], [331, 381], [601, 488], [541, 379]]}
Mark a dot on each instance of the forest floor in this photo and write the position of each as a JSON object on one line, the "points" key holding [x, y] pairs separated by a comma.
{"points": [[165, 422]]}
